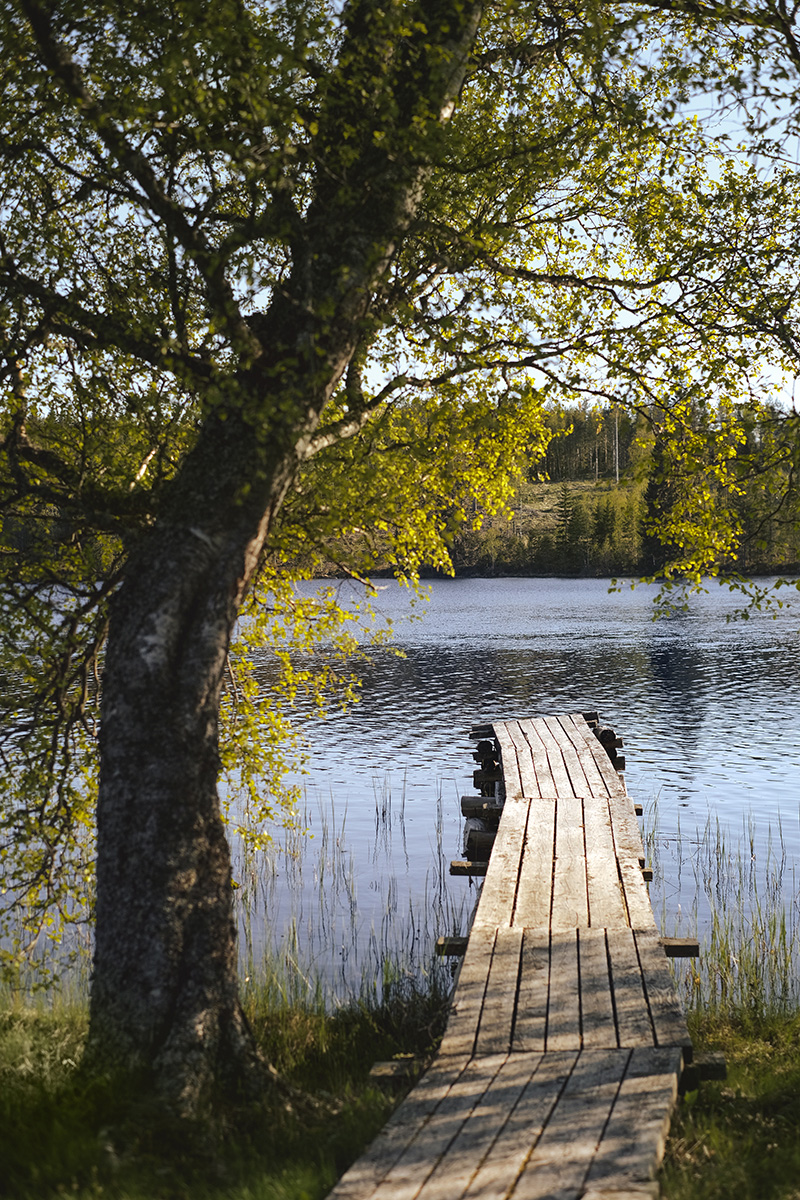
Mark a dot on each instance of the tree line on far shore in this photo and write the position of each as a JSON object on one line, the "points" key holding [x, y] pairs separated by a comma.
{"points": [[604, 489], [596, 501]]}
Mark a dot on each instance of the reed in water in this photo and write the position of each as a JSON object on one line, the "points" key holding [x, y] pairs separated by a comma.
{"points": [[60, 1135]]}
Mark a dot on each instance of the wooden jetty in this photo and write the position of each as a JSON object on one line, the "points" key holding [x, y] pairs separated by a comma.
{"points": [[565, 1044]]}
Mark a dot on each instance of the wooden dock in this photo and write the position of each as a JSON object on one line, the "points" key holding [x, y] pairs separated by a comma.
{"points": [[561, 1060]]}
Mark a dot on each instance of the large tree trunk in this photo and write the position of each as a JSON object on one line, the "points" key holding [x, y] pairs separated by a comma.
{"points": [[164, 995]]}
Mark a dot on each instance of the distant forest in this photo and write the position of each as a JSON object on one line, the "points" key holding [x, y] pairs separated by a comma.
{"points": [[594, 444], [587, 508]]}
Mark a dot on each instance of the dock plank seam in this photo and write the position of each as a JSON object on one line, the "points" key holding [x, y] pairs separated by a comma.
{"points": [[597, 783], [533, 879], [518, 873], [586, 862], [608, 1118], [538, 755], [572, 762], [529, 780]]}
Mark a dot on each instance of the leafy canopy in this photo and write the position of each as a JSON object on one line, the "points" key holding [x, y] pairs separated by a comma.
{"points": [[573, 235]]}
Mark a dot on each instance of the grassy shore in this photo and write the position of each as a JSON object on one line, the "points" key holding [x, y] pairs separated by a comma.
{"points": [[63, 1135], [740, 1138]]}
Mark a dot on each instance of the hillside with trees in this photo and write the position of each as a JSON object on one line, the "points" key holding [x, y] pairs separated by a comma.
{"points": [[594, 503]]}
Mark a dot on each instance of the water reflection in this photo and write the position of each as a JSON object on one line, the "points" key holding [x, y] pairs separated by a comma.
{"points": [[708, 710]]}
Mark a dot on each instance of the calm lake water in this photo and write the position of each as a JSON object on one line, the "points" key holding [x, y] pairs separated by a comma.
{"points": [[708, 709]]}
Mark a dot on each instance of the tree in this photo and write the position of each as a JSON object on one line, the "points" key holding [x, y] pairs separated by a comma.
{"points": [[604, 521], [745, 282], [162, 156], [564, 512], [271, 276]]}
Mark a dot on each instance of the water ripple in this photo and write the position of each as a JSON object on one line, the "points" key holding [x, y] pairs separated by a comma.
{"points": [[708, 710]]}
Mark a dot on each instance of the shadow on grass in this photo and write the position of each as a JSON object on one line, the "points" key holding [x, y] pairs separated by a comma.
{"points": [[740, 1138], [63, 1135]]}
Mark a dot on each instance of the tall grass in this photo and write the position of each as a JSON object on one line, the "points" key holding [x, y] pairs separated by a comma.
{"points": [[744, 907], [308, 932], [742, 1136]]}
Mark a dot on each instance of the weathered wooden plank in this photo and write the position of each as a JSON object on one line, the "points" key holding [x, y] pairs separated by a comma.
{"points": [[561, 1158], [399, 1131], [496, 904], [523, 1127], [433, 1139], [627, 834], [680, 947], [563, 1007], [555, 759], [584, 741], [511, 774], [637, 899], [480, 806], [466, 866], [615, 785], [570, 900], [571, 757], [452, 947], [607, 906], [530, 1027], [465, 1007], [527, 770], [630, 1004], [464, 1155], [633, 1142], [541, 764], [499, 1002], [662, 998], [535, 888], [597, 1009]]}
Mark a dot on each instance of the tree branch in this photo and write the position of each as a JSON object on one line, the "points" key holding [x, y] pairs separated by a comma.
{"points": [[93, 330], [209, 262], [354, 422]]}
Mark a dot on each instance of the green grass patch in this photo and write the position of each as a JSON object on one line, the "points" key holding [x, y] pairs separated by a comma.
{"points": [[63, 1135], [740, 1138]]}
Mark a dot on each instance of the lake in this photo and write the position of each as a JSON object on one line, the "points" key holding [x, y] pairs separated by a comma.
{"points": [[707, 706]]}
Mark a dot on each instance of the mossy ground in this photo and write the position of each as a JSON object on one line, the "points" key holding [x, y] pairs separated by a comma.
{"points": [[64, 1135], [740, 1139]]}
